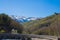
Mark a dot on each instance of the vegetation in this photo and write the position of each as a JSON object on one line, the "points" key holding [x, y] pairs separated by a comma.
{"points": [[46, 26], [7, 24]]}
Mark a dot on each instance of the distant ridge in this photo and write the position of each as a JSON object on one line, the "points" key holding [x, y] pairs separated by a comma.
{"points": [[22, 19], [49, 25]]}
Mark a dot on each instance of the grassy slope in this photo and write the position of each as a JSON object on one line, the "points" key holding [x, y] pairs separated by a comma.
{"points": [[47, 25]]}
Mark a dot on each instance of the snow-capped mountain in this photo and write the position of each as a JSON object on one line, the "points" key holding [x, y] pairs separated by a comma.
{"points": [[23, 19]]}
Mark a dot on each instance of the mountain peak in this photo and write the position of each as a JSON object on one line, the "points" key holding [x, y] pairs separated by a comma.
{"points": [[23, 19]]}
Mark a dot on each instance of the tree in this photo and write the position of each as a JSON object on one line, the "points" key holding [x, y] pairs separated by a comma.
{"points": [[7, 24]]}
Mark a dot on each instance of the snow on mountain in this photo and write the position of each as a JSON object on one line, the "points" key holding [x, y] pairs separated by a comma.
{"points": [[23, 19]]}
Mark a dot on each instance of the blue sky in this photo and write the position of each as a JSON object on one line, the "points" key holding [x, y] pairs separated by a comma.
{"points": [[30, 8]]}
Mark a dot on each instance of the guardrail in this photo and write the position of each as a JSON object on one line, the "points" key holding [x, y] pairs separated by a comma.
{"points": [[25, 36]]}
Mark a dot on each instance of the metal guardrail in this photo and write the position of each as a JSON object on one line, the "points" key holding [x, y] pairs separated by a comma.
{"points": [[18, 36], [9, 36]]}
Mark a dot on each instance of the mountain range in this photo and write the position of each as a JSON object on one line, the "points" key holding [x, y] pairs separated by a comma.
{"points": [[23, 19], [49, 25]]}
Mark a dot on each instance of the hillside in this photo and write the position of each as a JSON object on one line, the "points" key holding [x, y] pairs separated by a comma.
{"points": [[7, 24], [46, 26]]}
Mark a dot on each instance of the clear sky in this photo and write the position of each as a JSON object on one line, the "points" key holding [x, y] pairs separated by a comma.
{"points": [[30, 8]]}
